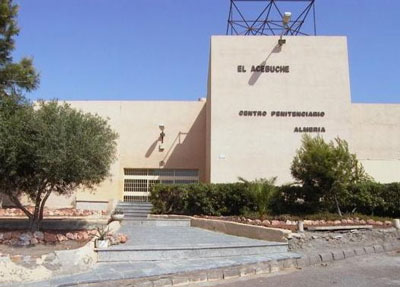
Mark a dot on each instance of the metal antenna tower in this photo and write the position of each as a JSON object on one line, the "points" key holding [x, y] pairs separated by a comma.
{"points": [[269, 20]]}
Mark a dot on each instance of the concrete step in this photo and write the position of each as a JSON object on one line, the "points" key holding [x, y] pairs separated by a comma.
{"points": [[135, 209], [141, 211], [154, 253], [134, 204], [142, 216], [140, 221]]}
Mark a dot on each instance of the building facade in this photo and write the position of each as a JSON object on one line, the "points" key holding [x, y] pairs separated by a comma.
{"points": [[261, 99]]}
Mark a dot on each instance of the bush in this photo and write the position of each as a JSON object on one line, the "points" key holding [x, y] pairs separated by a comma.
{"points": [[375, 199], [262, 191], [326, 170], [289, 199], [201, 199], [369, 198]]}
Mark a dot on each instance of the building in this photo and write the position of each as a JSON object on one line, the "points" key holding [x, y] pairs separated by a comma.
{"points": [[262, 97]]}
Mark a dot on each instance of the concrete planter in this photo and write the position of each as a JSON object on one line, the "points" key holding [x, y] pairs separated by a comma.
{"points": [[102, 243]]}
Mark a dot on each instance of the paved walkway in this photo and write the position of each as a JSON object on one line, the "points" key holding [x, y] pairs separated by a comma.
{"points": [[163, 237], [179, 236]]}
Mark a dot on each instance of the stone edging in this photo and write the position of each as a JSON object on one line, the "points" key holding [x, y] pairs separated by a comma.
{"points": [[231, 272], [340, 254]]}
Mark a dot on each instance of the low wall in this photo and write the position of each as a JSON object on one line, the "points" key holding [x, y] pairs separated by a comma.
{"points": [[61, 262], [234, 228], [244, 230], [55, 223]]}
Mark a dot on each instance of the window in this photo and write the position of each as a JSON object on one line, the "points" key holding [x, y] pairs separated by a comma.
{"points": [[138, 182]]}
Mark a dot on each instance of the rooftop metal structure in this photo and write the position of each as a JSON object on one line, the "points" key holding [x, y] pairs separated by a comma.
{"points": [[264, 17]]}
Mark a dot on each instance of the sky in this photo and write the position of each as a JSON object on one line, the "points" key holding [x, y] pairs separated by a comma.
{"points": [[158, 49]]}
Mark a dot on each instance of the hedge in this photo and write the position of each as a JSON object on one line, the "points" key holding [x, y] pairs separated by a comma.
{"points": [[200, 198], [369, 198]]}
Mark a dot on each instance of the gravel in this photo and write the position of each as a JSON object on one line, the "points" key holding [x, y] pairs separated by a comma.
{"points": [[313, 242]]}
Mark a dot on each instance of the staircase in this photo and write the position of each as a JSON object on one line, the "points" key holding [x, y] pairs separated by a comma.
{"points": [[135, 210]]}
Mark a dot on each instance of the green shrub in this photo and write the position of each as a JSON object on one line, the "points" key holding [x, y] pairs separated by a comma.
{"points": [[289, 199], [201, 199], [369, 198], [262, 191], [375, 199], [326, 170]]}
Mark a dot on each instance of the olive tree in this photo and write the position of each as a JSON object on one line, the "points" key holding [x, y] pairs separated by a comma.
{"points": [[50, 148], [326, 170]]}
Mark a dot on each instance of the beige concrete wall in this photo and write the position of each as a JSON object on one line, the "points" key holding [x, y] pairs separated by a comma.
{"points": [[254, 147], [137, 123], [376, 139]]}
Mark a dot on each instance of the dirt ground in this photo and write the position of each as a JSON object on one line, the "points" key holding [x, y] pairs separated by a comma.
{"points": [[313, 242], [40, 249]]}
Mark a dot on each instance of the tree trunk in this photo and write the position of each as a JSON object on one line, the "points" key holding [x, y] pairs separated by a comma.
{"points": [[16, 201], [337, 206], [34, 222], [42, 208]]}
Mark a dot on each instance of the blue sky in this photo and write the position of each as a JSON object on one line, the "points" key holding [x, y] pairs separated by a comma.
{"points": [[158, 49]]}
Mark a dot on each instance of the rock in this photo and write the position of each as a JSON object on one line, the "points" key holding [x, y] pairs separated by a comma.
{"points": [[349, 221], [1, 236], [337, 222], [34, 241], [25, 236], [23, 243], [114, 240], [15, 234], [50, 238], [371, 221], [70, 236], [38, 235], [308, 222], [123, 238], [267, 222], [7, 236], [362, 221], [17, 258], [61, 237], [380, 223], [79, 236], [24, 239], [275, 222], [314, 237], [388, 223], [296, 235], [85, 235], [94, 231], [257, 221]]}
